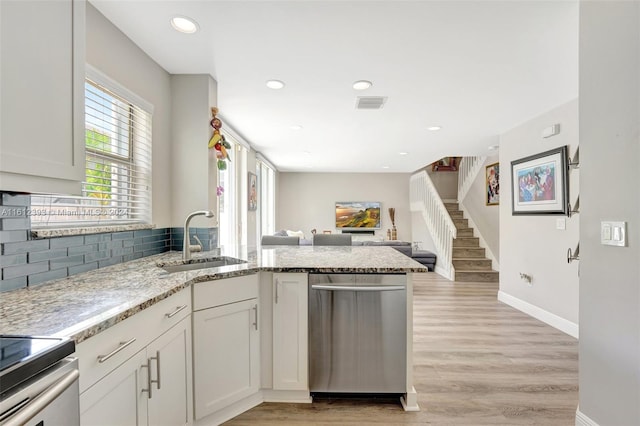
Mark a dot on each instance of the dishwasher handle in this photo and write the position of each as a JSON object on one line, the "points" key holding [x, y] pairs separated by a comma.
{"points": [[358, 288]]}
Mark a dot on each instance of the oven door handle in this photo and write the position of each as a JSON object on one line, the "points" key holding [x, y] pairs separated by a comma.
{"points": [[358, 288], [30, 410]]}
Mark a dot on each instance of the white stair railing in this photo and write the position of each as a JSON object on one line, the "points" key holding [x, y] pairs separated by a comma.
{"points": [[424, 198], [467, 172]]}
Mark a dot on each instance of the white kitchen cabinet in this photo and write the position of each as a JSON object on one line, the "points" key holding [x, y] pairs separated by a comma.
{"points": [[290, 331], [171, 400], [226, 343], [42, 86], [139, 371], [117, 399]]}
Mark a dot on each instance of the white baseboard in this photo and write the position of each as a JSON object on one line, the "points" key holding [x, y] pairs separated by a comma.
{"points": [[443, 272], [545, 316], [294, 396], [231, 411], [583, 420]]}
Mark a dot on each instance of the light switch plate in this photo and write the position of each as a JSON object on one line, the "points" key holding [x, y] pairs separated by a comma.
{"points": [[613, 233]]}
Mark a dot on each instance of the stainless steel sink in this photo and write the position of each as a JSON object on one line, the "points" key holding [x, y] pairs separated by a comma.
{"points": [[203, 263]]}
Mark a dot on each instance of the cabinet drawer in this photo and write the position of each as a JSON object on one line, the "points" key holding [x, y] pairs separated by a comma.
{"points": [[222, 292], [128, 337]]}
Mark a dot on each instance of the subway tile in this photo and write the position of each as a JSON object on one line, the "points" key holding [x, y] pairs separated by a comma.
{"points": [[83, 268], [109, 245], [15, 224], [13, 236], [87, 248], [121, 251], [15, 199], [142, 233], [13, 212], [96, 238], [153, 238], [110, 262], [78, 240], [23, 270], [133, 256], [153, 252], [90, 257], [122, 235], [159, 231], [66, 262], [36, 279], [23, 247], [127, 243], [13, 259], [39, 256], [137, 241], [13, 284]]}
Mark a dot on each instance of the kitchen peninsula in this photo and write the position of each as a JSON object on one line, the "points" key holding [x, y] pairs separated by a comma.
{"points": [[100, 309]]}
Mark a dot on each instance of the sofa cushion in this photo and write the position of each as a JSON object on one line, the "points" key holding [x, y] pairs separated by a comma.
{"points": [[423, 254]]}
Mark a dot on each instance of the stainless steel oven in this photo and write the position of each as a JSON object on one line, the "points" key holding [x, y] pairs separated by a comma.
{"points": [[38, 382], [357, 333]]}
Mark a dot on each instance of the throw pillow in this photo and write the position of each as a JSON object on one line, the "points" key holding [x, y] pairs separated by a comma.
{"points": [[281, 233], [296, 234]]}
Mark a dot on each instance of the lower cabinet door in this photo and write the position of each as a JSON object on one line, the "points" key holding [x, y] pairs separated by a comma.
{"points": [[118, 398], [169, 360], [226, 355]]}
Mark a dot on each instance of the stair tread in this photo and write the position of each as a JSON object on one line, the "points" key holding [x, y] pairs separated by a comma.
{"points": [[488, 271]]}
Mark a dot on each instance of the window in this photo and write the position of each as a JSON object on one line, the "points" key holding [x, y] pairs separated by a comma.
{"points": [[266, 221], [117, 186], [233, 201]]}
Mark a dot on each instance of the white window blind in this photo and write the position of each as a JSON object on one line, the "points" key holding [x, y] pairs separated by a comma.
{"points": [[117, 186]]}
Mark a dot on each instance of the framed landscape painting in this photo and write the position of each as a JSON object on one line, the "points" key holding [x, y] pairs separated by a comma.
{"points": [[492, 176], [540, 184]]}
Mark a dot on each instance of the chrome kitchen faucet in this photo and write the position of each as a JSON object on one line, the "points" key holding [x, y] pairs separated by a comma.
{"points": [[186, 244]]}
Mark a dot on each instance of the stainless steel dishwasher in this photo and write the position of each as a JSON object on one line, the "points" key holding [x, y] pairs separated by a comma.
{"points": [[357, 333]]}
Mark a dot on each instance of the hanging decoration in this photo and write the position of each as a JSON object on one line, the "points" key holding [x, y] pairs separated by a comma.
{"points": [[218, 141]]}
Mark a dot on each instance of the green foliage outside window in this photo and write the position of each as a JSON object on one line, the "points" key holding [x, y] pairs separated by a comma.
{"points": [[98, 183]]}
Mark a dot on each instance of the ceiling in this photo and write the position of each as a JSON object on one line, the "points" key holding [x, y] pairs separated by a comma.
{"points": [[475, 68]]}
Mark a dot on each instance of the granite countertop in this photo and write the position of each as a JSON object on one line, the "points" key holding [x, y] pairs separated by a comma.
{"points": [[83, 305]]}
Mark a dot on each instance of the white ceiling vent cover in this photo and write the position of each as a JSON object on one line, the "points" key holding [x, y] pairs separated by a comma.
{"points": [[370, 102]]}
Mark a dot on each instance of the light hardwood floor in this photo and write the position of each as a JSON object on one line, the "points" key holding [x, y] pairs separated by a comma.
{"points": [[476, 362]]}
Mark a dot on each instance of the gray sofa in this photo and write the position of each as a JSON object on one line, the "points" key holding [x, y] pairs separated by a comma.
{"points": [[424, 257]]}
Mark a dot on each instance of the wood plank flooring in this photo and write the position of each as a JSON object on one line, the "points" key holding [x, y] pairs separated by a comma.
{"points": [[476, 362]]}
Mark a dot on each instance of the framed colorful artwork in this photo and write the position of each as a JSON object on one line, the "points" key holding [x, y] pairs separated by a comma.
{"points": [[446, 164], [253, 192], [539, 183], [492, 176]]}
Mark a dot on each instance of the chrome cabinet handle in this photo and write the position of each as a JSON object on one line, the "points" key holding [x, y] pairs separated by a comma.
{"points": [[157, 381], [31, 409], [174, 313], [103, 358], [277, 282], [359, 288], [149, 381], [255, 324]]}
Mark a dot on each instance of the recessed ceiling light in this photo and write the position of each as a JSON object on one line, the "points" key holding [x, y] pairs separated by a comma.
{"points": [[385, 167], [296, 127], [275, 84], [403, 153], [434, 128], [184, 24], [362, 84]]}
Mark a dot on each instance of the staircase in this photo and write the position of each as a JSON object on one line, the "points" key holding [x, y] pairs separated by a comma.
{"points": [[468, 257]]}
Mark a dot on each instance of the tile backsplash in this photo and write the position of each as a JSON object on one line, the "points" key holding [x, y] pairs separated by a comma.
{"points": [[25, 261]]}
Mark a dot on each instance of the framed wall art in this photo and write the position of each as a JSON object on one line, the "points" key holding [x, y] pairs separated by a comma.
{"points": [[252, 201], [492, 176], [540, 184]]}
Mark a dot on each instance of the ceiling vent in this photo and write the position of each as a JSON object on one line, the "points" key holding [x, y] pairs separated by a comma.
{"points": [[370, 102]]}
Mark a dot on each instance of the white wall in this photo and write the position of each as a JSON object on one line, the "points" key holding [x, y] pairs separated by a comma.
{"points": [[446, 183], [193, 165], [113, 53], [307, 200], [532, 244], [610, 159], [485, 218]]}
